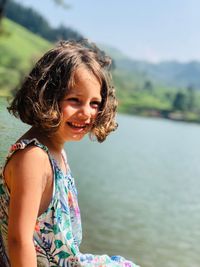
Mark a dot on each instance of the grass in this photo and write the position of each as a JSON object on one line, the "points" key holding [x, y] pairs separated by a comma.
{"points": [[19, 49]]}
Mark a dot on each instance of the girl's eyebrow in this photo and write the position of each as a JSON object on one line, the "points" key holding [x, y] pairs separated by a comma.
{"points": [[73, 92]]}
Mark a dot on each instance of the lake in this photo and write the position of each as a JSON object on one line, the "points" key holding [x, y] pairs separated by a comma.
{"points": [[139, 191]]}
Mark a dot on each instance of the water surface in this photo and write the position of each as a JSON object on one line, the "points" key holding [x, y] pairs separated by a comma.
{"points": [[139, 191]]}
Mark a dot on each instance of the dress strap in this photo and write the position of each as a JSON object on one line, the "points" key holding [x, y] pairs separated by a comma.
{"points": [[64, 156], [23, 143]]}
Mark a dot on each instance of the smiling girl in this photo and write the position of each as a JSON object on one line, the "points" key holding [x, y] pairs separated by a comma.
{"points": [[67, 95]]}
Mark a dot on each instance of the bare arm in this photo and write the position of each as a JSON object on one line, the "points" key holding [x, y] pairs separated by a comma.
{"points": [[26, 175]]}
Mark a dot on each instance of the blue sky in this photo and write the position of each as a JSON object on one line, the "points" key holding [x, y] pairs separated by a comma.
{"points": [[152, 30]]}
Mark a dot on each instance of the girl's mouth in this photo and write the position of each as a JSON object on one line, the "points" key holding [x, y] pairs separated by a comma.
{"points": [[76, 125]]}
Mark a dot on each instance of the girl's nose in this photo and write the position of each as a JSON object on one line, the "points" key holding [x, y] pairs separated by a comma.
{"points": [[85, 112]]}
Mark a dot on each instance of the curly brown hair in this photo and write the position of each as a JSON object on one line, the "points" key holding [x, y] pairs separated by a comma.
{"points": [[37, 101]]}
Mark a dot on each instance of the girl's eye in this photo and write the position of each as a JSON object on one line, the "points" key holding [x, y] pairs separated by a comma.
{"points": [[73, 100], [95, 104]]}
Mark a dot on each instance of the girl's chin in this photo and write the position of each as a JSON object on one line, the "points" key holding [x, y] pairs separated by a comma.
{"points": [[77, 137]]}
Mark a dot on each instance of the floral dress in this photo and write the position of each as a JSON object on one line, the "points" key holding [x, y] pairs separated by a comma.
{"points": [[58, 231]]}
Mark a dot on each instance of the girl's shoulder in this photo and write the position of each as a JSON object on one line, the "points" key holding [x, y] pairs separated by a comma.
{"points": [[27, 158], [27, 152]]}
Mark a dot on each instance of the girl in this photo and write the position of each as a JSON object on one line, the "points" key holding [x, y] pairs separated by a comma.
{"points": [[67, 95]]}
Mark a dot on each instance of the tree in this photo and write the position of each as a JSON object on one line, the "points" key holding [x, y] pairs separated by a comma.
{"points": [[148, 86], [57, 2], [191, 97], [180, 102], [36, 23], [62, 4], [2, 8]]}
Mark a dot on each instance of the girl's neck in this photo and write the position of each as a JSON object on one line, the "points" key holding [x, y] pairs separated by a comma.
{"points": [[53, 143]]}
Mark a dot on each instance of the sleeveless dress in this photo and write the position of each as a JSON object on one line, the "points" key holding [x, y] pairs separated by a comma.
{"points": [[58, 230]]}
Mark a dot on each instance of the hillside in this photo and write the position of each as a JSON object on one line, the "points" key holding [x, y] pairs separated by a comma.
{"points": [[168, 73], [140, 87], [36, 23], [167, 89], [171, 74], [19, 48]]}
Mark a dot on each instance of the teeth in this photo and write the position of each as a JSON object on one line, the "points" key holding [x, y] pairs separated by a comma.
{"points": [[77, 124]]}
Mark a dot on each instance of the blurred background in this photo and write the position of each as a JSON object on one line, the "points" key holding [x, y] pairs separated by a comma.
{"points": [[139, 191]]}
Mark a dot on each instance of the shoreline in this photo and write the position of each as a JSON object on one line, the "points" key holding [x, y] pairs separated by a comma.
{"points": [[178, 116]]}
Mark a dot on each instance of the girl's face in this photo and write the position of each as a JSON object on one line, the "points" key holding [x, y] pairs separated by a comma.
{"points": [[80, 106]]}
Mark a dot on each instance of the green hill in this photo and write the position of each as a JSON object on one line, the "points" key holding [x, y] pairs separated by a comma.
{"points": [[138, 89], [169, 73], [19, 48]]}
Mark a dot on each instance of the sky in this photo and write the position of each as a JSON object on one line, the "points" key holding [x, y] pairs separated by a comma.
{"points": [[151, 30]]}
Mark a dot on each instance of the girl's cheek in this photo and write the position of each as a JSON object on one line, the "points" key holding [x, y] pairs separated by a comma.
{"points": [[67, 109], [94, 113]]}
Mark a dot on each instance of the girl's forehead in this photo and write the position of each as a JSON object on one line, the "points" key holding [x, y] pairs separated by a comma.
{"points": [[83, 74], [85, 83]]}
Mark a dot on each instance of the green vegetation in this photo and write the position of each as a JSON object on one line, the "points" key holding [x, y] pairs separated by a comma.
{"points": [[138, 92], [36, 23], [140, 96], [19, 48]]}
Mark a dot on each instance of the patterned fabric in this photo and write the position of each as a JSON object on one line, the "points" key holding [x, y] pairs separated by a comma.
{"points": [[58, 231]]}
